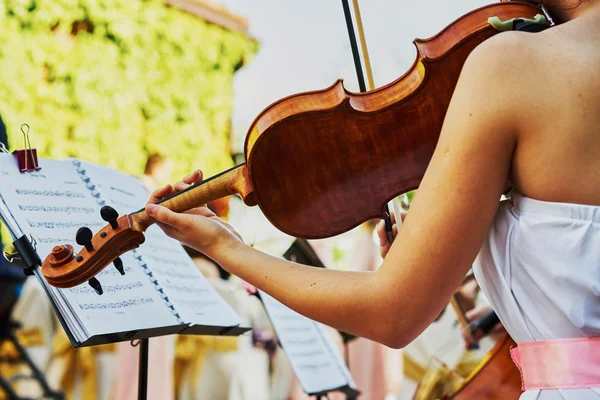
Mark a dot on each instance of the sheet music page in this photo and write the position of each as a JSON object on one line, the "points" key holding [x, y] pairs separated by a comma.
{"points": [[193, 297], [51, 204], [312, 353], [58, 299]]}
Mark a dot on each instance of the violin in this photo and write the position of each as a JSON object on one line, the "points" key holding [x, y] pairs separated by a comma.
{"points": [[318, 163], [495, 377]]}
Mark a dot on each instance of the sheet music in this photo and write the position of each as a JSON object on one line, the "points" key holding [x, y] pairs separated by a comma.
{"points": [[52, 204], [312, 353], [58, 299], [193, 297]]}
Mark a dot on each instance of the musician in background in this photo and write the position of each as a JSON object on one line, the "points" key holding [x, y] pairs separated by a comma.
{"points": [[475, 314], [158, 170]]}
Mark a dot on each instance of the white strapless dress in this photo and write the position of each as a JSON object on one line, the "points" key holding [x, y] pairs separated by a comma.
{"points": [[540, 269]]}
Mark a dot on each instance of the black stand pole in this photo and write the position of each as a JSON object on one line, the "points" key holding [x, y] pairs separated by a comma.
{"points": [[143, 372]]}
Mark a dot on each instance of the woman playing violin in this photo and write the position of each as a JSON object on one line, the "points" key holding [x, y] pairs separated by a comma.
{"points": [[526, 114]]}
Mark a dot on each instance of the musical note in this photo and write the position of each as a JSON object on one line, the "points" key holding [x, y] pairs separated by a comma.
{"points": [[54, 240], [186, 289], [123, 191], [112, 272], [197, 303], [50, 193], [109, 288], [59, 209], [118, 304], [167, 261], [61, 225]]}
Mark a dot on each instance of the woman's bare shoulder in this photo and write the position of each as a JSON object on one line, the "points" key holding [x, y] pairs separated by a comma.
{"points": [[507, 56]]}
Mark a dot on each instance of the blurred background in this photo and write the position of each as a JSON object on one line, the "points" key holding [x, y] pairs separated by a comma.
{"points": [[157, 88]]}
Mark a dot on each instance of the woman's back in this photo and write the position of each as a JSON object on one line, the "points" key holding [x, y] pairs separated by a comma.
{"points": [[557, 157], [539, 264]]}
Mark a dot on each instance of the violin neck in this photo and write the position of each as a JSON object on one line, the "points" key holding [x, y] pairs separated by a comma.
{"points": [[230, 182]]}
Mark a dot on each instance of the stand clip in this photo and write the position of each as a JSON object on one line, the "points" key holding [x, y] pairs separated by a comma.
{"points": [[25, 254], [27, 157]]}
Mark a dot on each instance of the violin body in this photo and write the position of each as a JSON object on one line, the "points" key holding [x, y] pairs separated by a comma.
{"points": [[495, 378], [320, 163]]}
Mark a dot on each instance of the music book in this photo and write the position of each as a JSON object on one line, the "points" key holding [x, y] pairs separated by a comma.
{"points": [[311, 351], [162, 291], [313, 355]]}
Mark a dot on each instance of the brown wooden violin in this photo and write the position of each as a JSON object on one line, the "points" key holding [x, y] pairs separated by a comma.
{"points": [[320, 163], [495, 377]]}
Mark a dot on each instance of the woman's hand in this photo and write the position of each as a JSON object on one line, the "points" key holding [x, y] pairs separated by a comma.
{"points": [[198, 228], [384, 244]]}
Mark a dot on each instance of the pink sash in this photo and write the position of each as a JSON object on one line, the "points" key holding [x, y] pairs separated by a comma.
{"points": [[558, 364]]}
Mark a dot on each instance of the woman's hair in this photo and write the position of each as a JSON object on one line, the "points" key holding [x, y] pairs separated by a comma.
{"points": [[567, 5], [561, 10]]}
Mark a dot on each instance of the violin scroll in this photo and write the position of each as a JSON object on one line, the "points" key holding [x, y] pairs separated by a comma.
{"points": [[63, 269]]}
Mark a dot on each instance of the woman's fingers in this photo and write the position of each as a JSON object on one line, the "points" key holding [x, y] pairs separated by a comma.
{"points": [[170, 231], [381, 233], [181, 186], [187, 181], [193, 177], [160, 193], [168, 190], [384, 244]]}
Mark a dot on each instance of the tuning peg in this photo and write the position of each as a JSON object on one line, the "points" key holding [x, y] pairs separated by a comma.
{"points": [[95, 284], [119, 265], [84, 238], [110, 215]]}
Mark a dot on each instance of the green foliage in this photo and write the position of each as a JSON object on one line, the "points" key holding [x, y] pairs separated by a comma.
{"points": [[112, 81]]}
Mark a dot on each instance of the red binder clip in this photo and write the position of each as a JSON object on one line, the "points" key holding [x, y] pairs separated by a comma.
{"points": [[27, 157]]}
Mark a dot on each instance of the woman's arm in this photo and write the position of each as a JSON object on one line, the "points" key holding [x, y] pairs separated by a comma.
{"points": [[440, 237]]}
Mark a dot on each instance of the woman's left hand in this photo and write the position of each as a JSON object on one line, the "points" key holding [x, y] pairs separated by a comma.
{"points": [[198, 228]]}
